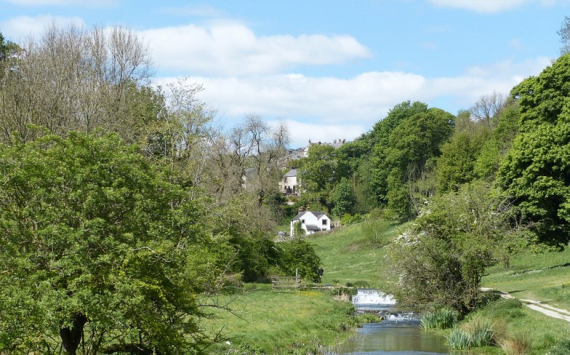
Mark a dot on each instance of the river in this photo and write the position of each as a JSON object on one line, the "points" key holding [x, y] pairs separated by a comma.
{"points": [[398, 334]]}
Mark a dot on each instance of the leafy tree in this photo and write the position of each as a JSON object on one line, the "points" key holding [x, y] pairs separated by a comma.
{"points": [[299, 255], [414, 145], [456, 166], [319, 173], [99, 252], [380, 137], [536, 171], [342, 198], [440, 260]]}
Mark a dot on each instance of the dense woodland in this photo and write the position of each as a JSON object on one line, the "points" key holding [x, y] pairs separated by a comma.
{"points": [[124, 206]]}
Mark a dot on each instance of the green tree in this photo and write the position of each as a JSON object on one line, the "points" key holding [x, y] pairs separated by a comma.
{"points": [[299, 255], [413, 146], [99, 252], [380, 138], [440, 260], [319, 173], [342, 198], [536, 171]]}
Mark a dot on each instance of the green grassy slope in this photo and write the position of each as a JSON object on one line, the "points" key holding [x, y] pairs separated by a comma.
{"points": [[349, 255]]}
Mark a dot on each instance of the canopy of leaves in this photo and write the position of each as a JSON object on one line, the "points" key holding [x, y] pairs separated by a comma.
{"points": [[536, 170], [97, 249]]}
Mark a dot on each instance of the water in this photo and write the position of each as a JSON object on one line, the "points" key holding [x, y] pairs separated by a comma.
{"points": [[398, 334]]}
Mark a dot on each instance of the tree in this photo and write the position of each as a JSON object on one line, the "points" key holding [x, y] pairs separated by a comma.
{"points": [[99, 252], [536, 171], [381, 140], [319, 173], [414, 145], [440, 260], [488, 107], [75, 79], [564, 33]]}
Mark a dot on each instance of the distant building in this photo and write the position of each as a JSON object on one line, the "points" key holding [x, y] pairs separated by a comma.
{"points": [[311, 222], [288, 185]]}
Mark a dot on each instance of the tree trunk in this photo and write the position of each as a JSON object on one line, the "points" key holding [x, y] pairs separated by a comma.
{"points": [[71, 337]]}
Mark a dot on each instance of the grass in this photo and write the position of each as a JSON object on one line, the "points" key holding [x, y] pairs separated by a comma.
{"points": [[351, 256], [265, 321], [440, 319], [544, 277]]}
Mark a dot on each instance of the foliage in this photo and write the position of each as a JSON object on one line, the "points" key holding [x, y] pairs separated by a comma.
{"points": [[476, 333], [441, 259], [342, 198], [536, 170], [443, 318], [318, 174], [380, 138], [412, 146], [99, 252], [299, 255], [72, 79]]}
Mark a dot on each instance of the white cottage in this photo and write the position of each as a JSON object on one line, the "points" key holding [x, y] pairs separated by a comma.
{"points": [[311, 222], [288, 185]]}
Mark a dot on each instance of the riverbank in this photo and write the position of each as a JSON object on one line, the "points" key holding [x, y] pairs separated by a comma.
{"points": [[260, 320]]}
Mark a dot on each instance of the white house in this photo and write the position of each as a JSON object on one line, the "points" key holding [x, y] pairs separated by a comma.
{"points": [[311, 222], [288, 185]]}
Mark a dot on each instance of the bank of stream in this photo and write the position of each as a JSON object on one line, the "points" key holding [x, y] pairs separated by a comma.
{"points": [[399, 333]]}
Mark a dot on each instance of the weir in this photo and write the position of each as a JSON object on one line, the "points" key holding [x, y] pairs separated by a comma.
{"points": [[399, 333]]}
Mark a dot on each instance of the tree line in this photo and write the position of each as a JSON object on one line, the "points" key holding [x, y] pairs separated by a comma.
{"points": [[123, 206], [479, 186]]}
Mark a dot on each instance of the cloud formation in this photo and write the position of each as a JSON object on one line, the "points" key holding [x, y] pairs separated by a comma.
{"points": [[316, 107], [19, 28], [230, 48]]}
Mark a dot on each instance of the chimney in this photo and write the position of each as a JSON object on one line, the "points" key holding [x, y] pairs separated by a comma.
{"points": [[300, 209], [334, 142], [343, 141], [308, 207]]}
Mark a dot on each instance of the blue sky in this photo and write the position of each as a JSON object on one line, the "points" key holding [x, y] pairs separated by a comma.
{"points": [[330, 69]]}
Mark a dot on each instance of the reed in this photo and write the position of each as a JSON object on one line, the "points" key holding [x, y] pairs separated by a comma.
{"points": [[440, 319], [476, 333]]}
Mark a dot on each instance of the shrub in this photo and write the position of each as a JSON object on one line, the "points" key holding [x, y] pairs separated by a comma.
{"points": [[441, 319], [458, 340], [477, 333], [516, 344]]}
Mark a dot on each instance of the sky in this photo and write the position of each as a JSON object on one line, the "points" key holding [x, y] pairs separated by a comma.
{"points": [[330, 69]]}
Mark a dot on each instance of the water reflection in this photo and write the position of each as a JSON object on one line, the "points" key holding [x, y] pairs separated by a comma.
{"points": [[394, 337], [398, 334]]}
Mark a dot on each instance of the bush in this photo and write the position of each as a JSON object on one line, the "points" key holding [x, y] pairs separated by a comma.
{"points": [[477, 333], [441, 319], [300, 255], [516, 344]]}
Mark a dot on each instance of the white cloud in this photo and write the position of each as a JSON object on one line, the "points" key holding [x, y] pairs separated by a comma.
{"points": [[318, 108], [489, 6], [302, 132], [229, 48], [19, 28]]}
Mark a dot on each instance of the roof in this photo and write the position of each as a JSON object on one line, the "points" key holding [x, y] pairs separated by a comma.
{"points": [[315, 213], [312, 227], [291, 173]]}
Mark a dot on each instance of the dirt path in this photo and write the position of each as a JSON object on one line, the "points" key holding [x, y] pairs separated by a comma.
{"points": [[538, 306]]}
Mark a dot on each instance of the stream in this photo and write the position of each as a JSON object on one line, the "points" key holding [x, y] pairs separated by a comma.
{"points": [[398, 334]]}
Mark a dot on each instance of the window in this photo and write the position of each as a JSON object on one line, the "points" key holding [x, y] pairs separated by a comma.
{"points": [[324, 222], [302, 221]]}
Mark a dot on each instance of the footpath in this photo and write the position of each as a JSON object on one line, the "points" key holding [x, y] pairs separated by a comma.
{"points": [[538, 306]]}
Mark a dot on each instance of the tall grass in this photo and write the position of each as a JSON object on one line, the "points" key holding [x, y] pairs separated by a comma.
{"points": [[516, 344], [476, 333], [441, 319]]}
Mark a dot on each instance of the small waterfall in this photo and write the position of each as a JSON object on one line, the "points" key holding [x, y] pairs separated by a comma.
{"points": [[374, 297]]}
